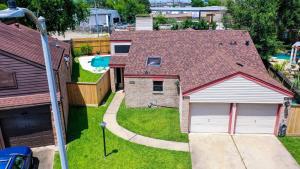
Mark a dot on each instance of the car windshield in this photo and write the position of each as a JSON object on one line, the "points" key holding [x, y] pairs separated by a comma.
{"points": [[4, 163], [19, 162]]}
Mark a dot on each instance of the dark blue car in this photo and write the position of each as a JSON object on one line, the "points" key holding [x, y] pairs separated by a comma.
{"points": [[16, 158]]}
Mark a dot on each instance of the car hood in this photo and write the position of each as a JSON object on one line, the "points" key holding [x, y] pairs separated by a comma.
{"points": [[22, 150]]}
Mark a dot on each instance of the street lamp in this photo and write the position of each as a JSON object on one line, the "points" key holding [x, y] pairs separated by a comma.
{"points": [[103, 125], [13, 12]]}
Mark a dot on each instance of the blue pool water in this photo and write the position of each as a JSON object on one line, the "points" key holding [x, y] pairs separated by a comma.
{"points": [[284, 56], [100, 61]]}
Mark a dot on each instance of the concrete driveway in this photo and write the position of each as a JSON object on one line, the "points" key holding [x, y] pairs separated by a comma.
{"points": [[222, 151], [43, 157]]}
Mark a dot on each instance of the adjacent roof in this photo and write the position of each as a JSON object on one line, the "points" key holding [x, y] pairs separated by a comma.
{"points": [[26, 100], [25, 42], [195, 57], [190, 9]]}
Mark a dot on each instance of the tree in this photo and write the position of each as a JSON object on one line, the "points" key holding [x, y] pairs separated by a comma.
{"points": [[214, 3], [60, 15], [259, 18], [197, 3], [288, 18], [128, 9], [97, 3], [147, 5], [2, 6]]}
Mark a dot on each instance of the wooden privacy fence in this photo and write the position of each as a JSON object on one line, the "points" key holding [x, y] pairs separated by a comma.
{"points": [[293, 126], [99, 45], [89, 94]]}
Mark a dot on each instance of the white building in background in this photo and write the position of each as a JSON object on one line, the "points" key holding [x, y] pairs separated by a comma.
{"points": [[100, 19]]}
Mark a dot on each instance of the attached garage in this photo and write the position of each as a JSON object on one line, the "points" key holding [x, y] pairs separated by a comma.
{"points": [[256, 118], [27, 126], [237, 105], [209, 117]]}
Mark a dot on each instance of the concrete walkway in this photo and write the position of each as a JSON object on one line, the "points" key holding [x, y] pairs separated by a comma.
{"points": [[45, 157], [110, 117]]}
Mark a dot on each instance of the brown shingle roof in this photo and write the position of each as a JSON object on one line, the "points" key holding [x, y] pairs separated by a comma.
{"points": [[26, 43], [26, 100], [197, 57]]}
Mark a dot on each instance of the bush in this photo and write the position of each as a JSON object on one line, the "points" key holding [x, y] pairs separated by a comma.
{"points": [[76, 52], [2, 6], [86, 50], [279, 67]]}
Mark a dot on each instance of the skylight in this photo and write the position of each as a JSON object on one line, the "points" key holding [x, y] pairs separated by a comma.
{"points": [[153, 61]]}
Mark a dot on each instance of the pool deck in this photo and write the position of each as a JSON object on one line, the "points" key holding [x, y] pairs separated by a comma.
{"points": [[85, 63]]}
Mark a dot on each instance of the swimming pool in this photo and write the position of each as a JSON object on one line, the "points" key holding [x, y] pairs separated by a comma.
{"points": [[284, 56], [100, 61]]}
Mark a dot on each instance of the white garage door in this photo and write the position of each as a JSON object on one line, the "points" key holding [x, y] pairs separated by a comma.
{"points": [[256, 118], [210, 117]]}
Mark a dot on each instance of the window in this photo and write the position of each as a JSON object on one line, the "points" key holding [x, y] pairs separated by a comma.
{"points": [[7, 80], [153, 61], [157, 86], [122, 48], [19, 162]]}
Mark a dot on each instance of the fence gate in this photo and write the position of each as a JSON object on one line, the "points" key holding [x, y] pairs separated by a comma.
{"points": [[293, 127]]}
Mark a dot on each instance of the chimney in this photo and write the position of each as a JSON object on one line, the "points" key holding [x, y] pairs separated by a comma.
{"points": [[144, 22]]}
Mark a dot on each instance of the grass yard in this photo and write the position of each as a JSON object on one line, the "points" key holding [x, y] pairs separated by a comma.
{"points": [[292, 144], [162, 123], [81, 75], [85, 146]]}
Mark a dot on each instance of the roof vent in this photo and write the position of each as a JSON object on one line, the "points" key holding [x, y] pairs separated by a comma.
{"points": [[146, 72], [17, 25], [233, 43], [241, 65], [220, 44], [247, 43]]}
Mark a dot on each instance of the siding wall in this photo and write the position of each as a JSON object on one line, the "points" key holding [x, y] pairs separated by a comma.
{"points": [[30, 79], [139, 93], [144, 23], [64, 74], [237, 90]]}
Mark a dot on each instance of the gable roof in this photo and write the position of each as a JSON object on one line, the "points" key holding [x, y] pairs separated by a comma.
{"points": [[25, 42], [197, 57]]}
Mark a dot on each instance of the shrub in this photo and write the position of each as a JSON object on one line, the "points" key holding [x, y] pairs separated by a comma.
{"points": [[2, 6], [86, 50], [76, 52], [279, 67]]}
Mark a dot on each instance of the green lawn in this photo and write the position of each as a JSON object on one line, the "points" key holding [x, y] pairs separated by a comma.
{"points": [[85, 147], [292, 144], [81, 75], [162, 123]]}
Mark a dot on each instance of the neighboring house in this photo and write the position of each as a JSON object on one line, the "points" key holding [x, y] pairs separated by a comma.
{"points": [[209, 13], [25, 112], [216, 79], [100, 17]]}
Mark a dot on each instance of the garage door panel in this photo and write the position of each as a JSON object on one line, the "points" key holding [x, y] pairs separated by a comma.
{"points": [[28, 128], [209, 117], [256, 118]]}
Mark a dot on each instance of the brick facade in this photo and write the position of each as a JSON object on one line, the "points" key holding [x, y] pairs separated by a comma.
{"points": [[139, 93], [185, 115]]}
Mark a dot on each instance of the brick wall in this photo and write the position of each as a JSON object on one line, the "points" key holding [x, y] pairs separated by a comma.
{"points": [[185, 115], [139, 93]]}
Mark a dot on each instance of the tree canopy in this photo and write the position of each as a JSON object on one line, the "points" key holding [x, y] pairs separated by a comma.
{"points": [[288, 18], [60, 14], [259, 18], [197, 3], [128, 9]]}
